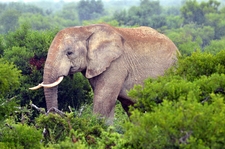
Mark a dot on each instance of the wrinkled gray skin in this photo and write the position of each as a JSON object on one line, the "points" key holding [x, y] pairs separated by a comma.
{"points": [[113, 60]]}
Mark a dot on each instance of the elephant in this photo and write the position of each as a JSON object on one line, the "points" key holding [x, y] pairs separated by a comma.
{"points": [[113, 59]]}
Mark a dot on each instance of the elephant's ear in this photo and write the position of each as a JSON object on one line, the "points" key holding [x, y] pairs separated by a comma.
{"points": [[103, 48]]}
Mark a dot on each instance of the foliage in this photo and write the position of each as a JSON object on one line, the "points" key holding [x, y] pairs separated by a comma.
{"points": [[215, 46], [9, 17], [81, 129], [27, 49], [147, 14], [10, 78], [74, 92], [177, 84], [178, 124], [11, 14], [207, 13], [175, 88], [182, 109], [75, 129], [192, 11], [20, 136], [199, 64], [7, 108], [102, 20], [88, 10], [191, 37]]}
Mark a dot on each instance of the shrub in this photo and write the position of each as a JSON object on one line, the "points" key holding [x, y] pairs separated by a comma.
{"points": [[198, 64], [174, 88], [7, 108], [10, 77], [73, 125], [20, 136], [178, 124], [182, 109]]}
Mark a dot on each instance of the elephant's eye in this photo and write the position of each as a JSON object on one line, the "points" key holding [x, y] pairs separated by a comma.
{"points": [[69, 53]]}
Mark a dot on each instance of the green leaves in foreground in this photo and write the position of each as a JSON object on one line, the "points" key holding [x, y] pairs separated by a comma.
{"points": [[20, 136], [179, 124], [175, 88], [183, 109], [9, 79]]}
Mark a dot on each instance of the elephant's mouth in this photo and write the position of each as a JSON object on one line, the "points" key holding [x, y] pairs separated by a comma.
{"points": [[75, 69], [57, 82]]}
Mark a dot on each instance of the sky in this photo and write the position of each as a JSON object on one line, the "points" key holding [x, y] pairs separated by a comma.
{"points": [[40, 0], [35, 0]]}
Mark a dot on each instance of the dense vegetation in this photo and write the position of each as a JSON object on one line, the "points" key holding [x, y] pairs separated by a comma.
{"points": [[183, 109]]}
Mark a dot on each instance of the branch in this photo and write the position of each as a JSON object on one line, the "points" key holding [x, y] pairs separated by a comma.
{"points": [[184, 139], [8, 100], [41, 110], [55, 110]]}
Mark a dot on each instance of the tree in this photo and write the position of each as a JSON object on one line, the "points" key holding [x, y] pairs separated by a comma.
{"points": [[9, 20], [107, 20], [88, 10], [37, 21], [192, 12], [2, 7], [148, 13], [217, 22], [11, 14], [215, 46], [212, 6], [69, 11], [27, 49], [10, 78]]}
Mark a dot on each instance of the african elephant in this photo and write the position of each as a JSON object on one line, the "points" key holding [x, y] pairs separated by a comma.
{"points": [[113, 59]]}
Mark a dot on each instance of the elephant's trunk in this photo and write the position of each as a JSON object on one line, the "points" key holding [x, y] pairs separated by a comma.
{"points": [[51, 94]]}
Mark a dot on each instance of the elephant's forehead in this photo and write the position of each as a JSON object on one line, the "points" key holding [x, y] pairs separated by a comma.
{"points": [[62, 40]]}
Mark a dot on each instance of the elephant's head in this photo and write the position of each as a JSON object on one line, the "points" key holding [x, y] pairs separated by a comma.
{"points": [[88, 49]]}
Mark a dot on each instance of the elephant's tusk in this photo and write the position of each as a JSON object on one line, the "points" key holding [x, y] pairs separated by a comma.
{"points": [[36, 87], [52, 84], [47, 85]]}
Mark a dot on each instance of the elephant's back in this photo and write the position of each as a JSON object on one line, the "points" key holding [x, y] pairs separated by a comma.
{"points": [[141, 34], [150, 51], [147, 40]]}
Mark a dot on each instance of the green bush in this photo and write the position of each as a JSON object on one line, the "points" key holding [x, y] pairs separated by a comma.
{"points": [[174, 88], [27, 49], [80, 129], [73, 125], [178, 124], [183, 109], [198, 64], [7, 108], [10, 77], [215, 46], [20, 136]]}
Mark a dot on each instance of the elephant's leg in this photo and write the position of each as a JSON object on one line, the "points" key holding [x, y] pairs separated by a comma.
{"points": [[106, 91], [125, 102]]}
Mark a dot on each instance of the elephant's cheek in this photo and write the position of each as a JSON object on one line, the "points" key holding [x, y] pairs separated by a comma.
{"points": [[78, 67]]}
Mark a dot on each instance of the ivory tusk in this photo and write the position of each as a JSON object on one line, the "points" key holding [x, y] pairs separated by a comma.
{"points": [[36, 87], [52, 84], [47, 85]]}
